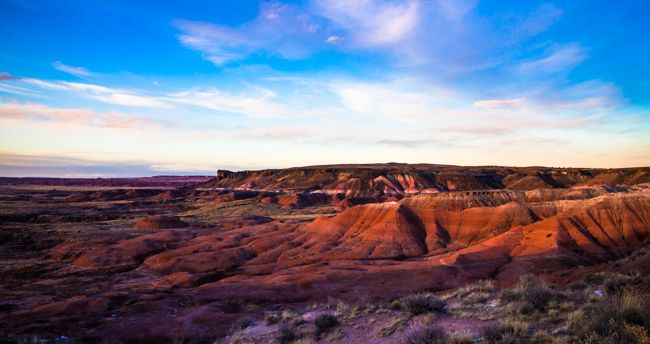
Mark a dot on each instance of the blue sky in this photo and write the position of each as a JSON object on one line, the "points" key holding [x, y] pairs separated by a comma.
{"points": [[113, 88]]}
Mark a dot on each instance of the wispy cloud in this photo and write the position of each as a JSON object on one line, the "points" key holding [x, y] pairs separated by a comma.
{"points": [[102, 93], [371, 23], [7, 76], [556, 59], [76, 71], [497, 103], [21, 165], [257, 103], [400, 100], [538, 21], [68, 116], [279, 30], [442, 36]]}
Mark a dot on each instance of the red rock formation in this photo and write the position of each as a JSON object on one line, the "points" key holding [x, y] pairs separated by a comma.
{"points": [[431, 241], [399, 179]]}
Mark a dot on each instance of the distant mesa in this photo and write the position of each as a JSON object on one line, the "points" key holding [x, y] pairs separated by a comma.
{"points": [[159, 222]]}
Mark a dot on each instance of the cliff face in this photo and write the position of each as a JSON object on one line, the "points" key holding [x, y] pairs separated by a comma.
{"points": [[400, 179]]}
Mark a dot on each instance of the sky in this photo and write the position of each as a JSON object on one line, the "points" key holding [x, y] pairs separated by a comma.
{"points": [[94, 88]]}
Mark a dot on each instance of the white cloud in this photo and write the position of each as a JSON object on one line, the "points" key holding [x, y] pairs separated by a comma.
{"points": [[67, 116], [558, 59], [101, 93], [217, 44], [333, 39], [76, 71], [278, 30], [372, 23], [256, 104], [496, 103], [400, 100]]}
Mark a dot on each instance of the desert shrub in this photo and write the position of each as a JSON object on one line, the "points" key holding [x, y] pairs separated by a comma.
{"points": [[459, 339], [324, 323], [241, 324], [524, 308], [288, 335], [536, 295], [476, 298], [617, 282], [303, 340], [289, 315], [428, 319], [539, 297], [577, 285], [421, 334], [510, 295], [395, 325], [272, 318], [575, 321], [241, 338], [567, 306], [627, 333], [595, 279], [482, 286], [613, 281], [542, 337], [508, 331], [425, 335], [527, 281], [623, 318], [419, 304], [335, 304], [555, 316]]}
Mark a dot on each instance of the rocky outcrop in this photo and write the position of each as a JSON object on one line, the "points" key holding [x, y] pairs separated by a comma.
{"points": [[359, 181], [495, 234]]}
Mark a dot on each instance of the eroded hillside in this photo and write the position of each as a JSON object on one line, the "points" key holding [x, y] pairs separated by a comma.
{"points": [[151, 264]]}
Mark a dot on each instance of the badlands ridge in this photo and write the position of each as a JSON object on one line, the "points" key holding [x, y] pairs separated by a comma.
{"points": [[353, 232]]}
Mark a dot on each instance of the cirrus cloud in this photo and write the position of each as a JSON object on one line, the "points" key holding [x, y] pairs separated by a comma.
{"points": [[76, 71]]}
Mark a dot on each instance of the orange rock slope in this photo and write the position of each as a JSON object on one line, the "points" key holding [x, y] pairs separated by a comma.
{"points": [[167, 275], [428, 241]]}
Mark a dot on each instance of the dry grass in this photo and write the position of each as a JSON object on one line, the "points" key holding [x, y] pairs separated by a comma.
{"points": [[422, 334], [289, 335], [532, 295], [417, 304], [482, 286], [239, 209], [508, 331], [622, 318], [397, 324]]}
